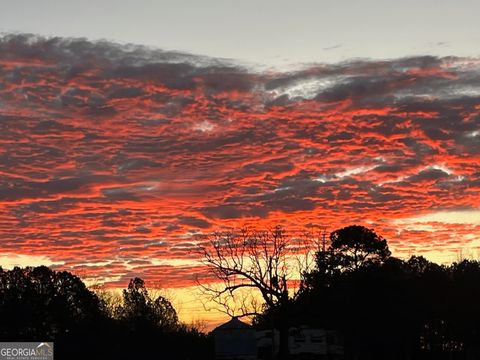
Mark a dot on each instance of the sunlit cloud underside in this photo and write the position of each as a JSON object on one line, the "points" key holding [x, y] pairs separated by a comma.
{"points": [[113, 158]]}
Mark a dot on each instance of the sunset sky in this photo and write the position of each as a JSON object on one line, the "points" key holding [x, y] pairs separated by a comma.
{"points": [[114, 156]]}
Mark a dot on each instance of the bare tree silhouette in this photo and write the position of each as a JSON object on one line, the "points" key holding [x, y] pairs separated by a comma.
{"points": [[256, 270]]}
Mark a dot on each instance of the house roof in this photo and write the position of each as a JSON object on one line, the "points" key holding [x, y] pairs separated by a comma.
{"points": [[234, 323]]}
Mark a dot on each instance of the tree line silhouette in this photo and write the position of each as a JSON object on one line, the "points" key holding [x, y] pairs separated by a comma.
{"points": [[385, 307], [39, 304], [382, 307]]}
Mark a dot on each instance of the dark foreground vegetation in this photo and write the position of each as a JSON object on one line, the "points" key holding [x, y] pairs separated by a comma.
{"points": [[387, 308], [38, 304], [383, 308], [412, 309]]}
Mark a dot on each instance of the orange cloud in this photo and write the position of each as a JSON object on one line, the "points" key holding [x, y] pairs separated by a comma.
{"points": [[113, 158]]}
